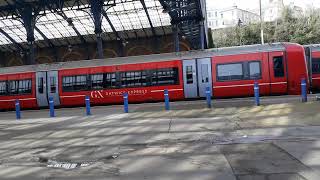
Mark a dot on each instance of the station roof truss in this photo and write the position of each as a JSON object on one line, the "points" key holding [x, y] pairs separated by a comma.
{"points": [[68, 22]]}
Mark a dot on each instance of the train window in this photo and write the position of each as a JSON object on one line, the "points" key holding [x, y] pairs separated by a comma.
{"points": [[13, 87], [74, 83], [255, 70], [316, 65], [278, 66], [40, 85], [53, 87], [19, 87], [110, 80], [24, 86], [133, 79], [229, 72], [3, 88], [189, 75], [165, 76], [80, 83], [97, 81], [204, 73], [67, 83]]}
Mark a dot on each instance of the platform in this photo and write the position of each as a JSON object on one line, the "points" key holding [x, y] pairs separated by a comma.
{"points": [[234, 140]]}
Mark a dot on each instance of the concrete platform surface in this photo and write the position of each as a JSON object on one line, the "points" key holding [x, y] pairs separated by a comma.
{"points": [[232, 141]]}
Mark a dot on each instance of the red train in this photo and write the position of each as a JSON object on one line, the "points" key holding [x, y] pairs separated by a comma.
{"points": [[229, 72], [313, 59]]}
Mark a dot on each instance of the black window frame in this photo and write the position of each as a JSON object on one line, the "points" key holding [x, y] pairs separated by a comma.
{"points": [[22, 87], [76, 86], [283, 68], [227, 80], [245, 71], [170, 74], [53, 86], [318, 62], [260, 69], [26, 86], [96, 84], [119, 80], [5, 90]]}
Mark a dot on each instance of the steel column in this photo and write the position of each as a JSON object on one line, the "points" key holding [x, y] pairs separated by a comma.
{"points": [[28, 16], [176, 38], [96, 11], [201, 35]]}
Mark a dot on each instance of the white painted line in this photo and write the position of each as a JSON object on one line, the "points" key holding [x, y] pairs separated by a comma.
{"points": [[25, 99], [168, 90], [72, 96], [279, 83]]}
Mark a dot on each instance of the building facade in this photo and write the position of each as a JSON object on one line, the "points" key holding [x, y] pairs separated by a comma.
{"points": [[272, 9], [223, 18]]}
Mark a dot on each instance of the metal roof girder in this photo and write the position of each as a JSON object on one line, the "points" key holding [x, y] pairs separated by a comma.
{"points": [[148, 16], [70, 23], [104, 13], [18, 46]]}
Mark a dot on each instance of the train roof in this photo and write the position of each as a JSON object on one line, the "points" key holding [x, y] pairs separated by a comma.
{"points": [[146, 58], [314, 47]]}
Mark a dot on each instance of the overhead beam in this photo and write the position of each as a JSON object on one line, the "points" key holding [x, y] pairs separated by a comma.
{"points": [[148, 16], [104, 13], [96, 10], [44, 37], [70, 23], [18, 46]]}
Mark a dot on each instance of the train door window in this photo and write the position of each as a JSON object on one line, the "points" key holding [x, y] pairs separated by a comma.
{"points": [[204, 73], [80, 83], [255, 70], [53, 87], [110, 80], [230, 72], [278, 66], [316, 65], [13, 87], [97, 81], [40, 85], [25, 86], [3, 88], [67, 83], [189, 74]]}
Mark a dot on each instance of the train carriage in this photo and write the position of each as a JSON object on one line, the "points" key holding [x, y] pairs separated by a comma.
{"points": [[313, 59], [228, 72]]}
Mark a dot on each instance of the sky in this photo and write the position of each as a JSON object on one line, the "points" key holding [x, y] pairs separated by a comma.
{"points": [[254, 4]]}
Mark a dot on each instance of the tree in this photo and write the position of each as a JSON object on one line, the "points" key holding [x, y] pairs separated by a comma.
{"points": [[302, 29]]}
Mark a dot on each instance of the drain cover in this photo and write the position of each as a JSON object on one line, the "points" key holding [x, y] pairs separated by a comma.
{"points": [[62, 164]]}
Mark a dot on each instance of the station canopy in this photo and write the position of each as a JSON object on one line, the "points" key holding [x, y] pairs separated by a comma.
{"points": [[65, 22]]}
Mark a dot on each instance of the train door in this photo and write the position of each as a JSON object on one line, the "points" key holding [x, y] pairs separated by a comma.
{"points": [[278, 73], [197, 77], [52, 86], [190, 79], [204, 75], [41, 89]]}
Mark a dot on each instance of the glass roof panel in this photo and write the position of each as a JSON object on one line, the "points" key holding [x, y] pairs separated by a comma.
{"points": [[125, 16]]}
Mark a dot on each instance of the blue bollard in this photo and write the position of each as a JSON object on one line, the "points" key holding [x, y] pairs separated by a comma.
{"points": [[88, 107], [208, 95], [166, 99], [18, 114], [304, 90], [51, 105], [125, 102], [257, 93]]}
